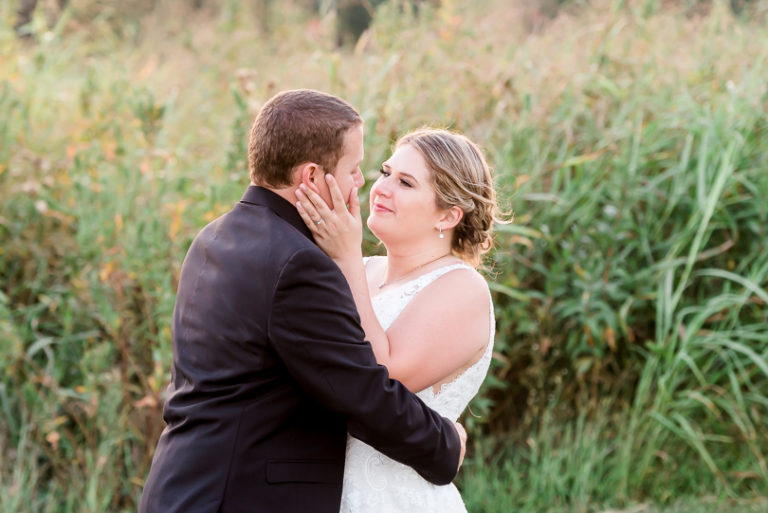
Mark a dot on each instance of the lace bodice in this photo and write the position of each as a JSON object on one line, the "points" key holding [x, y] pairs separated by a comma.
{"points": [[375, 483]]}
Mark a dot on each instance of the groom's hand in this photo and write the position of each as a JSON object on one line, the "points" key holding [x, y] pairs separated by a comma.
{"points": [[463, 438]]}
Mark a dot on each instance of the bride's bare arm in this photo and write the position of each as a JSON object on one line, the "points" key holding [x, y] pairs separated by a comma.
{"points": [[443, 330], [339, 234]]}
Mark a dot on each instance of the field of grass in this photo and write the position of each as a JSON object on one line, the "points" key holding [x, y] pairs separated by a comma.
{"points": [[631, 292]]}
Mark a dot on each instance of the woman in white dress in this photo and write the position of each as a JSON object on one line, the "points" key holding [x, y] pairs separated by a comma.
{"points": [[425, 309]]}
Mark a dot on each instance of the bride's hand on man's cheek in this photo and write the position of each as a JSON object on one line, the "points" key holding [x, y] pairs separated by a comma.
{"points": [[339, 231]]}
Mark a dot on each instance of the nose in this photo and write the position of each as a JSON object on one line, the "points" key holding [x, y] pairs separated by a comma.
{"points": [[381, 187], [359, 179]]}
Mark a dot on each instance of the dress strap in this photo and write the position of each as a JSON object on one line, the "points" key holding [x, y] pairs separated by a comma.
{"points": [[425, 279]]}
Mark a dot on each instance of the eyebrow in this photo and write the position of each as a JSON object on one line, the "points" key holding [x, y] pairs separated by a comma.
{"points": [[403, 173]]}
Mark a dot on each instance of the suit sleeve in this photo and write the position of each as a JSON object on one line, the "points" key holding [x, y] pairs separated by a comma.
{"points": [[315, 329]]}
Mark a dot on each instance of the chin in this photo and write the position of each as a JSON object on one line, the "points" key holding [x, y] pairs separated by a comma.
{"points": [[375, 226]]}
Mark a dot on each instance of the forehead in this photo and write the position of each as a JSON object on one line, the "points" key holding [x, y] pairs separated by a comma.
{"points": [[407, 159]]}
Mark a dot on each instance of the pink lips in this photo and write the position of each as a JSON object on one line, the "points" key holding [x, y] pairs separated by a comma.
{"points": [[377, 207]]}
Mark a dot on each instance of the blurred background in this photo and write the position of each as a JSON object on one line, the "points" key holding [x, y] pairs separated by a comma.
{"points": [[630, 138]]}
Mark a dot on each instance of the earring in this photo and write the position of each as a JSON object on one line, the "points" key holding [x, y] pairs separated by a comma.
{"points": [[441, 232]]}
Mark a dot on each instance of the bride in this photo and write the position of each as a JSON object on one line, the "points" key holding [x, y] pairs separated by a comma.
{"points": [[425, 309]]}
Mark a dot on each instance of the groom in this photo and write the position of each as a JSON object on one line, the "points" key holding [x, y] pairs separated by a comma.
{"points": [[270, 367]]}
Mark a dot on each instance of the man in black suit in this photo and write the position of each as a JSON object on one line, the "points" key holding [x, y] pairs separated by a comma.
{"points": [[270, 367]]}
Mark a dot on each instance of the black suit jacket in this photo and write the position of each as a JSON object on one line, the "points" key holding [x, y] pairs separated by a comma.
{"points": [[270, 371]]}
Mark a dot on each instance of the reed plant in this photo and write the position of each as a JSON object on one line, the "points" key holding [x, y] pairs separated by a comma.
{"points": [[631, 354]]}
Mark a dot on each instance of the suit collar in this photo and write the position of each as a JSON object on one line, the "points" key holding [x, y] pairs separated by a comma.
{"points": [[256, 195]]}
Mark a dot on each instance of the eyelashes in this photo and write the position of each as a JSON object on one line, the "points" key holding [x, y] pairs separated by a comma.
{"points": [[384, 172]]}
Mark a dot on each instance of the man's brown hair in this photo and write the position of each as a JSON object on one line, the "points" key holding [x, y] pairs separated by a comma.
{"points": [[295, 127]]}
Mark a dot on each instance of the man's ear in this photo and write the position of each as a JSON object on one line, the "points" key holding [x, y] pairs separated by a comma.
{"points": [[310, 174], [451, 217]]}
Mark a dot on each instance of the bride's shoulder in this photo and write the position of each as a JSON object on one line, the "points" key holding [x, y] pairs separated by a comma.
{"points": [[457, 281], [461, 300], [463, 275]]}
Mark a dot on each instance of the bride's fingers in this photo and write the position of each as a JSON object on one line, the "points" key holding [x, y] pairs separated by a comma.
{"points": [[317, 202], [354, 203], [339, 202], [315, 217], [308, 205], [306, 217]]}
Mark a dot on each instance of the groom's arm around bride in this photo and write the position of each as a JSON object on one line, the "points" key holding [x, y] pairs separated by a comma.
{"points": [[270, 367]]}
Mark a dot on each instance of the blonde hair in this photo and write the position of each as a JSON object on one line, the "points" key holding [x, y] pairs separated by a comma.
{"points": [[461, 177]]}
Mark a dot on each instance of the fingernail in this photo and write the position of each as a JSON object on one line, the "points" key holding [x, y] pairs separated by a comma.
{"points": [[328, 177]]}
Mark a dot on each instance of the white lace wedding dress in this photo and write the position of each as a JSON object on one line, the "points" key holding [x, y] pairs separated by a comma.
{"points": [[374, 483]]}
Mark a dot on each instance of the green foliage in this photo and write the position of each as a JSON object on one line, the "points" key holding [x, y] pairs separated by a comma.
{"points": [[642, 277], [630, 292]]}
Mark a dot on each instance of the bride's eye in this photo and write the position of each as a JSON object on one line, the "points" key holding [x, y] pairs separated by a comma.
{"points": [[383, 172]]}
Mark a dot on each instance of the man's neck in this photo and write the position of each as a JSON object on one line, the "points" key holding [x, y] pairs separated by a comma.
{"points": [[287, 193]]}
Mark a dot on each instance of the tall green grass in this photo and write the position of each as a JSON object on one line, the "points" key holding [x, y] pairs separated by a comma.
{"points": [[630, 292]]}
